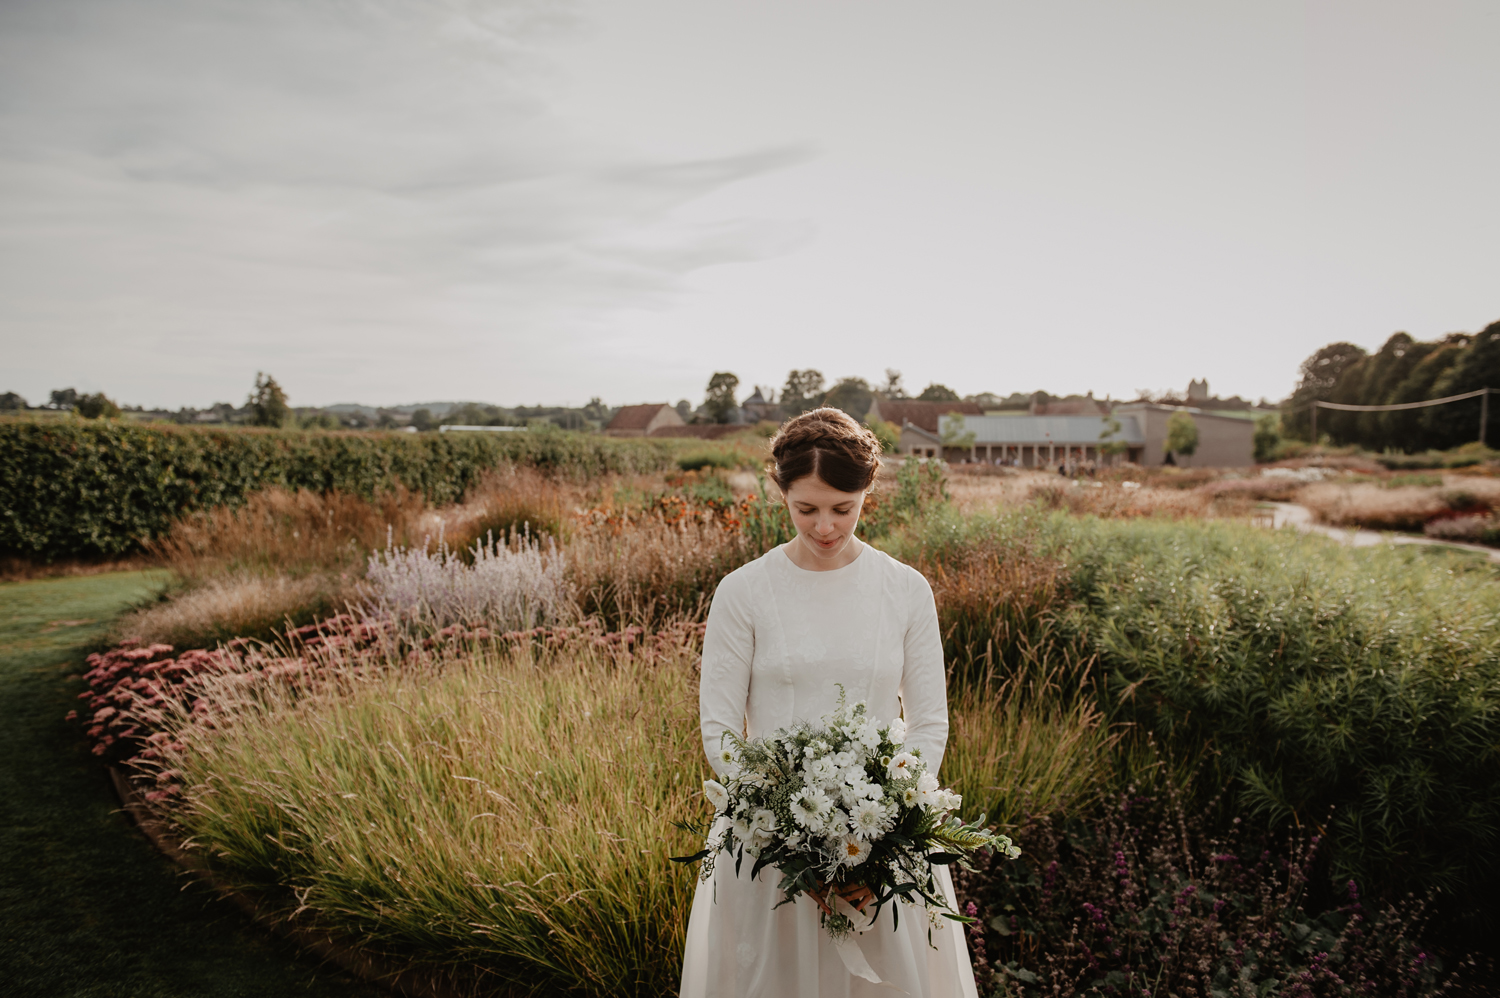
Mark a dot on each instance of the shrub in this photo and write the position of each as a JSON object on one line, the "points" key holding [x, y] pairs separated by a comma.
{"points": [[1478, 529], [105, 487], [1327, 679], [1140, 898], [698, 460]]}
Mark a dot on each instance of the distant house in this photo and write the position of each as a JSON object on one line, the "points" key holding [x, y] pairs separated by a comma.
{"points": [[757, 408], [923, 415], [642, 420], [1048, 441]]}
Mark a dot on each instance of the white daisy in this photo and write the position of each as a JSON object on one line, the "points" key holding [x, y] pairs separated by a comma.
{"points": [[810, 808], [868, 735], [870, 820], [896, 733], [853, 850]]}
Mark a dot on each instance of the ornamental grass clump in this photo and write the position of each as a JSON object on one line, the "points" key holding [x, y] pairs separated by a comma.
{"points": [[515, 584], [501, 813]]}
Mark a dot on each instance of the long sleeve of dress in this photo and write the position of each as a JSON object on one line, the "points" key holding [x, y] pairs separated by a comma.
{"points": [[724, 681], [924, 693]]}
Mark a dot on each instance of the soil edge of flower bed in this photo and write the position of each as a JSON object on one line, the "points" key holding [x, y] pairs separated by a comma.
{"points": [[406, 983]]}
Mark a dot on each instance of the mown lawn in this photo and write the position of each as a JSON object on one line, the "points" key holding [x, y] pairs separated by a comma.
{"points": [[87, 907]]}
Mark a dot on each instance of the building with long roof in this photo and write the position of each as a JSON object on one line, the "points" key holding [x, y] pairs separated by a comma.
{"points": [[1049, 441]]}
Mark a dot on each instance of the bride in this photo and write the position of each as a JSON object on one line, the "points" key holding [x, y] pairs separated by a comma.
{"points": [[784, 631]]}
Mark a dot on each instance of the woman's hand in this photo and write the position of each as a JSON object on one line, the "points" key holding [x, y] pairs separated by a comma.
{"points": [[857, 896]]}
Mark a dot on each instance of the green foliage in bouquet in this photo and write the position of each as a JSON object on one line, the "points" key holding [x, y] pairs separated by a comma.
{"points": [[839, 806]]}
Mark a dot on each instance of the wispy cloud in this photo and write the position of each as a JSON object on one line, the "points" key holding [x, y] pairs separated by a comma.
{"points": [[195, 189]]}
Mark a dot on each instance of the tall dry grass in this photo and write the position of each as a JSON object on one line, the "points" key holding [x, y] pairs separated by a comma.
{"points": [[290, 533], [507, 815], [642, 572], [1027, 746]]}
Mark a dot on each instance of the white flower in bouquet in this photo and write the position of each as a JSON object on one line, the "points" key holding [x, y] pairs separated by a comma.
{"points": [[853, 850], [839, 806], [870, 820], [716, 794], [930, 791], [904, 765], [810, 808], [822, 773]]}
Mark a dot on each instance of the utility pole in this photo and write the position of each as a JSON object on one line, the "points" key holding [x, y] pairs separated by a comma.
{"points": [[1484, 414], [1315, 423]]}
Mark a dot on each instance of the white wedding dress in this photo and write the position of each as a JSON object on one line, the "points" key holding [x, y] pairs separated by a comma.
{"points": [[779, 640]]}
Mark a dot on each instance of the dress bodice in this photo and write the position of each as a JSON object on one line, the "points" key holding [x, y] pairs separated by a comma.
{"points": [[782, 639]]}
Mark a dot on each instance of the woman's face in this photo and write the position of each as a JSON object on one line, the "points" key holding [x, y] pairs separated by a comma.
{"points": [[825, 519]]}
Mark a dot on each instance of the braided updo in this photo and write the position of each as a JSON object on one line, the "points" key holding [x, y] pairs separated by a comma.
{"points": [[828, 444]]}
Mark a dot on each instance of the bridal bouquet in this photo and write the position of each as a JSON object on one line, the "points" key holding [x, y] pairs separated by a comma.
{"points": [[839, 806]]}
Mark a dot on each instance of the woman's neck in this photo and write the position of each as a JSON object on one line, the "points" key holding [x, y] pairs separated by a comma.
{"points": [[804, 557]]}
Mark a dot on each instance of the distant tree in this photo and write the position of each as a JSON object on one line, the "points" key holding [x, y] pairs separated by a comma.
{"points": [[888, 433], [1110, 443], [11, 402], [318, 419], [684, 409], [267, 403], [938, 393], [386, 421], [1267, 438], [893, 388], [803, 391], [853, 395], [718, 400], [1320, 374], [63, 398], [955, 431], [1476, 366], [1182, 434], [422, 420], [95, 406]]}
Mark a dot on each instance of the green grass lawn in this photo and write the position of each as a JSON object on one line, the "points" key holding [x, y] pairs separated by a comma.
{"points": [[87, 906]]}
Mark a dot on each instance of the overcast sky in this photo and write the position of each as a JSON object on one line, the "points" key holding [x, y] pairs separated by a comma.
{"points": [[392, 201]]}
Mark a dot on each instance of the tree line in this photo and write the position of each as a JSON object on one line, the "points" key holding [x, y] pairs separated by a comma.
{"points": [[1404, 369]]}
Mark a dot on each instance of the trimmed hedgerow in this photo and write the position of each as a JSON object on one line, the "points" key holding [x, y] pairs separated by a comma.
{"points": [[102, 488]]}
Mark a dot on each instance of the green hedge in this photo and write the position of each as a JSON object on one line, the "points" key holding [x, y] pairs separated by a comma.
{"points": [[75, 489]]}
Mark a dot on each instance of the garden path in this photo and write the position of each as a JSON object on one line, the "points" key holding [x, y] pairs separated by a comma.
{"points": [[87, 906], [1290, 514]]}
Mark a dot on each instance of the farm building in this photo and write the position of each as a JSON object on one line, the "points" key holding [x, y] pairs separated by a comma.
{"points": [[1048, 441], [642, 420]]}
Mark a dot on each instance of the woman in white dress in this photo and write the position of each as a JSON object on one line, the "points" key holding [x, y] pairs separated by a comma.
{"points": [[783, 632]]}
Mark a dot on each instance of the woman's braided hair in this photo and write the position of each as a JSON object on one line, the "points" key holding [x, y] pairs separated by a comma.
{"points": [[828, 444]]}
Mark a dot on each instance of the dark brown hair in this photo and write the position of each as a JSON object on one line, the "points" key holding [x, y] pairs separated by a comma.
{"points": [[828, 444]]}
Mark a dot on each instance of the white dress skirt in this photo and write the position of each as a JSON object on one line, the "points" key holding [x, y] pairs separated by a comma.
{"points": [[780, 642]]}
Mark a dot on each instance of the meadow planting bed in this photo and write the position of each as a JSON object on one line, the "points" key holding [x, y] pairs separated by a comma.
{"points": [[1240, 762]]}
